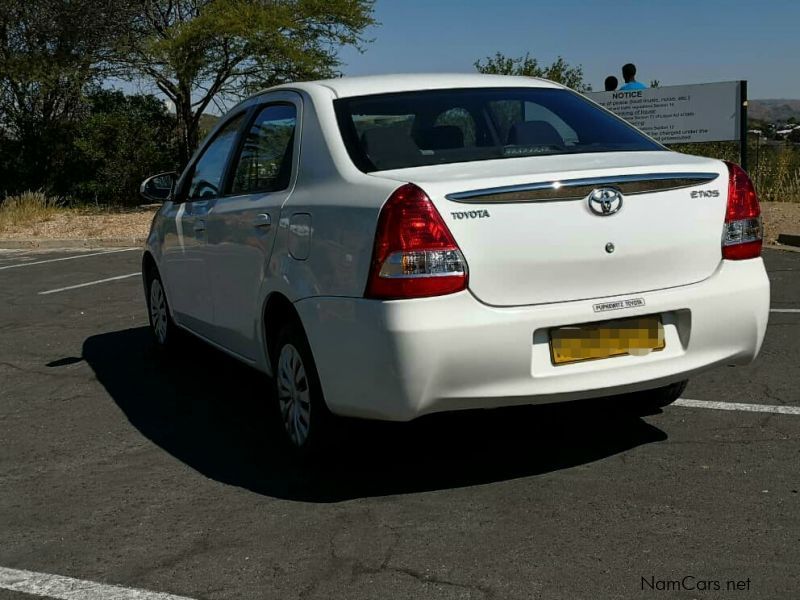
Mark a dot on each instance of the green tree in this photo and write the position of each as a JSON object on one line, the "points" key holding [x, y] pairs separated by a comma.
{"points": [[50, 50], [559, 71], [200, 51], [122, 140]]}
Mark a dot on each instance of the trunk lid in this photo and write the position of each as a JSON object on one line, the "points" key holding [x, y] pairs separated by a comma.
{"points": [[527, 241]]}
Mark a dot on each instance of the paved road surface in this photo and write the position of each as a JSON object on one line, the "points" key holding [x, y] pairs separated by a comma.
{"points": [[122, 466]]}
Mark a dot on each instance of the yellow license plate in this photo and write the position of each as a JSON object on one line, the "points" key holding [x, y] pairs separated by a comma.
{"points": [[639, 335]]}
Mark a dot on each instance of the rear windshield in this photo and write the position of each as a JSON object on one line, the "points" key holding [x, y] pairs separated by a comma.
{"points": [[411, 129]]}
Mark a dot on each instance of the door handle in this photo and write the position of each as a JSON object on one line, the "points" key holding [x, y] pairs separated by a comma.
{"points": [[199, 226], [262, 220]]}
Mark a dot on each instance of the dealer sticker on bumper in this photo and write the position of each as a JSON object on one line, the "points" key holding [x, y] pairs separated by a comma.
{"points": [[618, 304]]}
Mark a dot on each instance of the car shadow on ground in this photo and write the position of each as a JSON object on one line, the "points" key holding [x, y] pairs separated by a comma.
{"points": [[216, 416]]}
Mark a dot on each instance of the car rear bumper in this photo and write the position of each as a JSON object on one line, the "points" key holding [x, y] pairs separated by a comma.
{"points": [[397, 360]]}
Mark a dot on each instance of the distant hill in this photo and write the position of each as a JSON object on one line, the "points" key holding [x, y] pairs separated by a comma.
{"points": [[207, 121], [774, 110]]}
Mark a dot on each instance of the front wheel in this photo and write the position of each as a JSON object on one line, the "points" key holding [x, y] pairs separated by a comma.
{"points": [[162, 326], [306, 421]]}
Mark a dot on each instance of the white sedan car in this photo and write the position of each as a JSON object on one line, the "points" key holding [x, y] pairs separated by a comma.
{"points": [[388, 247]]}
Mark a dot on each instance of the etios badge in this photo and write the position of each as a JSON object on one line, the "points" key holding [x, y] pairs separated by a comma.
{"points": [[605, 201]]}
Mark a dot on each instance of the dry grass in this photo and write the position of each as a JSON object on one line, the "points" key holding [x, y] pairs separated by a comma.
{"points": [[28, 208], [774, 168], [33, 216], [777, 175]]}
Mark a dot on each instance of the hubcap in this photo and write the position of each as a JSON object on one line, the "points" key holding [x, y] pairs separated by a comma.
{"points": [[158, 311], [294, 395]]}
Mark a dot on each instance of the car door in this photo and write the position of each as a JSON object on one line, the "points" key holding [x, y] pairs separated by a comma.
{"points": [[184, 259], [243, 224]]}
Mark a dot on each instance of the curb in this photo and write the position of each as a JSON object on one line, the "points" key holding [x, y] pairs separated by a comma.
{"points": [[86, 244], [782, 247], [789, 239]]}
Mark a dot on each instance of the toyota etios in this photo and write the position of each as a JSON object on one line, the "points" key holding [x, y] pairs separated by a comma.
{"points": [[387, 247]]}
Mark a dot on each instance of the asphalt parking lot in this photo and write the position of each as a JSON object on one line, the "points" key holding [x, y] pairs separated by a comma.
{"points": [[124, 467]]}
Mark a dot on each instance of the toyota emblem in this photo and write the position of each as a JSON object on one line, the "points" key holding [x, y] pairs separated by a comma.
{"points": [[605, 201]]}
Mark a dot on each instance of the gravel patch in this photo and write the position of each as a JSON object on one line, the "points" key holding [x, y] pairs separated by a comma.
{"points": [[780, 217], [74, 224]]}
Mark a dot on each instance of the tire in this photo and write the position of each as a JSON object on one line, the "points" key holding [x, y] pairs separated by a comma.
{"points": [[165, 332], [651, 401], [305, 420]]}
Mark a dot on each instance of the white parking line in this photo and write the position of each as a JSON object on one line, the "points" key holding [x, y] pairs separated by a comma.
{"points": [[785, 310], [88, 283], [765, 408], [67, 588], [51, 260]]}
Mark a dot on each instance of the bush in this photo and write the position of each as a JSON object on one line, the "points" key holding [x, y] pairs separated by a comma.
{"points": [[123, 140], [100, 157], [39, 158]]}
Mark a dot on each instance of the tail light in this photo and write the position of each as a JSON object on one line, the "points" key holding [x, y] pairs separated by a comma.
{"points": [[742, 233], [415, 254]]}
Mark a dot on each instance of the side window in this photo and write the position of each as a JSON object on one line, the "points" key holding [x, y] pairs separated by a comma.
{"points": [[265, 162], [210, 167], [459, 117]]}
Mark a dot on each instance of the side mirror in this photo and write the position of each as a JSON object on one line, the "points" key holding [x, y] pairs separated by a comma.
{"points": [[158, 188]]}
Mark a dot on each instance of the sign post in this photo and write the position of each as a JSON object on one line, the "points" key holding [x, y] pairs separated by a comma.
{"points": [[685, 114], [743, 125]]}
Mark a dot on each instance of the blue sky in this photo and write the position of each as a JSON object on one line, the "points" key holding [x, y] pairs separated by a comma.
{"points": [[675, 42]]}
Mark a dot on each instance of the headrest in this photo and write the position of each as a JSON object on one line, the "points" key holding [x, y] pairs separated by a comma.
{"points": [[388, 147], [441, 137]]}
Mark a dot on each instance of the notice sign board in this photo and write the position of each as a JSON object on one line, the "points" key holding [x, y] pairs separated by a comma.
{"points": [[681, 114]]}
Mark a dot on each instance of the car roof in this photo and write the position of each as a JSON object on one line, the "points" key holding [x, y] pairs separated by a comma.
{"points": [[344, 87]]}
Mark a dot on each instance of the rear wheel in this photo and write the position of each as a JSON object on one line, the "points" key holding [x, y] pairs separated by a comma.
{"points": [[305, 419], [650, 401]]}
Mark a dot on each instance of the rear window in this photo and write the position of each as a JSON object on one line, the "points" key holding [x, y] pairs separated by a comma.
{"points": [[411, 129]]}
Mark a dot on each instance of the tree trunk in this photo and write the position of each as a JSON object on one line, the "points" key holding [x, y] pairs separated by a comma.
{"points": [[192, 135], [188, 127]]}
